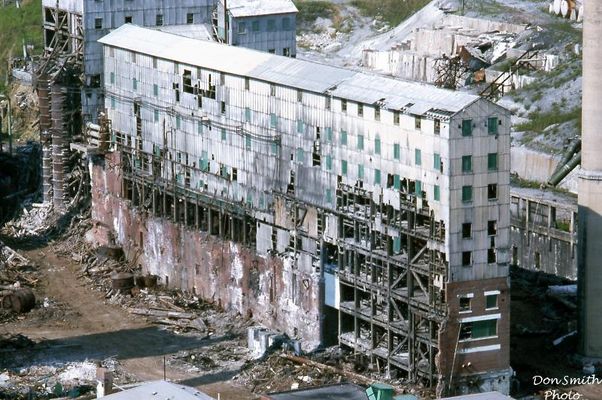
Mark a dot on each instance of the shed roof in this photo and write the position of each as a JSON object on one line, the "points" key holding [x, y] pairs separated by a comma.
{"points": [[343, 391], [369, 88], [159, 390], [253, 8]]}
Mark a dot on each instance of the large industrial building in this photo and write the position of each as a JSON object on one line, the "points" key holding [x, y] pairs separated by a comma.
{"points": [[334, 205], [72, 28]]}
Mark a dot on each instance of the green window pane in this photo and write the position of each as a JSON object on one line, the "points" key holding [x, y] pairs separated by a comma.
{"points": [[396, 151], [396, 182], [248, 114], [344, 138], [492, 161], [418, 156], [199, 128], [437, 193], [360, 171], [329, 196], [112, 77], [377, 176], [481, 329], [466, 193], [134, 83], [113, 102], [344, 167], [437, 161], [178, 122], [328, 163], [156, 115], [491, 301], [397, 245], [273, 120], [360, 142], [377, 146], [329, 134], [248, 141], [224, 137], [300, 127], [274, 148], [466, 163], [467, 127], [418, 188], [249, 199], [492, 124], [300, 155], [156, 90]]}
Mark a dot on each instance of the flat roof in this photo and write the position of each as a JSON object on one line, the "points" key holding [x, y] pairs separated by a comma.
{"points": [[252, 8], [343, 391], [369, 88], [159, 390], [192, 31]]}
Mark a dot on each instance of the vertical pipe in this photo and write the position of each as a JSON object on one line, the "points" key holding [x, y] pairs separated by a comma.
{"points": [[590, 189]]}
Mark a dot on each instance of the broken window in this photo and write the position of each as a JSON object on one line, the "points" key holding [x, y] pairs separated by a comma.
{"points": [[187, 81], [360, 110], [466, 258], [286, 51], [190, 18], [97, 23], [159, 20], [465, 304], [127, 19], [466, 230], [491, 258], [344, 105], [492, 191], [437, 126], [223, 107], [377, 113], [465, 330], [491, 227]]}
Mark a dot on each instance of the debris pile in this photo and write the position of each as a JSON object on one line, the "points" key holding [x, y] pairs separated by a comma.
{"points": [[71, 380]]}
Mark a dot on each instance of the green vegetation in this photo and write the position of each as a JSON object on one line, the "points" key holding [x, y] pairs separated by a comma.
{"points": [[309, 10], [391, 11], [541, 120], [16, 25]]}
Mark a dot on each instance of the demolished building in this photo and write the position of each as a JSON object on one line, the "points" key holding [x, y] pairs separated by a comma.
{"points": [[334, 205]]}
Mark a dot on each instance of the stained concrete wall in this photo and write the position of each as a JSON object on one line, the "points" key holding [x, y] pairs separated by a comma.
{"points": [[271, 289], [536, 166]]}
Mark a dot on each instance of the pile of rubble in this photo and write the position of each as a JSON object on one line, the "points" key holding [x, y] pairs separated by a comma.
{"points": [[70, 380], [17, 277]]}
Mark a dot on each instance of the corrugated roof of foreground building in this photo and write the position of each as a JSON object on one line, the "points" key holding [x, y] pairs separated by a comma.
{"points": [[395, 94]]}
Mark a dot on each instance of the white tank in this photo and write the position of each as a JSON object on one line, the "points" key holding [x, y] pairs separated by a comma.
{"points": [[557, 6]]}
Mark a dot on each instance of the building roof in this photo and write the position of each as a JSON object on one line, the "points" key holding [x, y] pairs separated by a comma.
{"points": [[192, 31], [480, 396], [344, 391], [253, 8], [412, 97], [160, 390]]}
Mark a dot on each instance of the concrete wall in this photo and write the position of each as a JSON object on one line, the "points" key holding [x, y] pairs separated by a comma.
{"points": [[536, 166], [219, 271]]}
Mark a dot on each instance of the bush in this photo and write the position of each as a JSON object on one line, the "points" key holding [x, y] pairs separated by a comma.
{"points": [[391, 11]]}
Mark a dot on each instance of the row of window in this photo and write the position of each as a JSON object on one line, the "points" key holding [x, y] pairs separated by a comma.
{"points": [[491, 124], [467, 192], [128, 19], [467, 257], [271, 25], [491, 302]]}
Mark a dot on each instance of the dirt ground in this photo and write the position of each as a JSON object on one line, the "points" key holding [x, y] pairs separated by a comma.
{"points": [[88, 328]]}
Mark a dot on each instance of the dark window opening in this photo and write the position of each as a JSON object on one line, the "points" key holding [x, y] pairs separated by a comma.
{"points": [[464, 303], [187, 82], [128, 19], [492, 191], [466, 230], [190, 18], [159, 20], [466, 258], [492, 228]]}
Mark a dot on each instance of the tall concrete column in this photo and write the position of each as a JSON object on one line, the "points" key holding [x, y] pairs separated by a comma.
{"points": [[590, 188]]}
